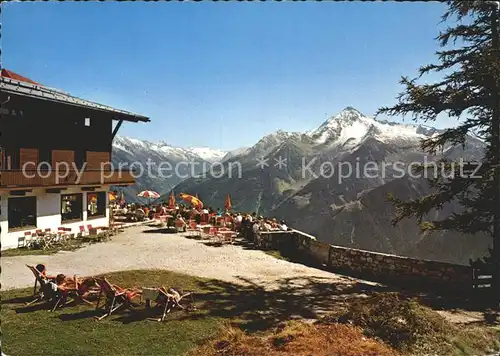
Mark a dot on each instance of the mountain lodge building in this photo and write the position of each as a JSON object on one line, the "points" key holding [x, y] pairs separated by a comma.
{"points": [[55, 151]]}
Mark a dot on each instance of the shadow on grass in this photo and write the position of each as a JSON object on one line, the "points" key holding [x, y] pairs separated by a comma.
{"points": [[80, 315], [33, 308]]}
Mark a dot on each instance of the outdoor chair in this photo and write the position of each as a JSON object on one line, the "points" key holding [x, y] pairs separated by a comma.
{"points": [[47, 289], [226, 235], [180, 226], [21, 241], [115, 298], [212, 232], [62, 234], [80, 291], [25, 241], [169, 299], [92, 230], [193, 229], [82, 232]]}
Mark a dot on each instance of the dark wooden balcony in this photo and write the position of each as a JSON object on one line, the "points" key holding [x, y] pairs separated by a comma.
{"points": [[32, 178]]}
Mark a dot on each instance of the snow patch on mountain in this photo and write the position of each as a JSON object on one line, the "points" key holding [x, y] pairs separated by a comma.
{"points": [[208, 154]]}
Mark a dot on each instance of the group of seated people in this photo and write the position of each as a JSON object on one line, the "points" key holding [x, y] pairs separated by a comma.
{"points": [[66, 284], [247, 225]]}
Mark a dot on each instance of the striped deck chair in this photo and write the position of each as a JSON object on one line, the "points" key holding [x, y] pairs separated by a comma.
{"points": [[169, 299], [116, 298]]}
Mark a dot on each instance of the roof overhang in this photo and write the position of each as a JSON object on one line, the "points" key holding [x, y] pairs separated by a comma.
{"points": [[16, 87]]}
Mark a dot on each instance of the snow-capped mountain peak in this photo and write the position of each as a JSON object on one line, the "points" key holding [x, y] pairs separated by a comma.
{"points": [[351, 127], [163, 151]]}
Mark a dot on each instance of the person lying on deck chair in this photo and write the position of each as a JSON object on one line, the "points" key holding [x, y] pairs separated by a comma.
{"points": [[81, 286]]}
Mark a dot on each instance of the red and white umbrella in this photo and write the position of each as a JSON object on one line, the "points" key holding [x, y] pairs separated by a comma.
{"points": [[148, 194]]}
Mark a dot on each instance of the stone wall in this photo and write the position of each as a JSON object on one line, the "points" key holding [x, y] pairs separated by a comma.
{"points": [[379, 267]]}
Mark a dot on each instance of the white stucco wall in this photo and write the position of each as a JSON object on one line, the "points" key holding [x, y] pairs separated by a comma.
{"points": [[48, 214]]}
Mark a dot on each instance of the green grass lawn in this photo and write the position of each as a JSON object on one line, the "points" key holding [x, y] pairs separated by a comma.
{"points": [[73, 330], [23, 251]]}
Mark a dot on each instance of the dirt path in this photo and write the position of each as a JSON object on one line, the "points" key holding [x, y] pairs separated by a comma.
{"points": [[142, 247]]}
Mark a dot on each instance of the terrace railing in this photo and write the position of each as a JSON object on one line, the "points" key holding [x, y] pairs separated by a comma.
{"points": [[33, 178]]}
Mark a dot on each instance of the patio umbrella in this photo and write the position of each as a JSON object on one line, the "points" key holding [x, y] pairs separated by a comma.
{"points": [[192, 200], [149, 194], [171, 200], [227, 203]]}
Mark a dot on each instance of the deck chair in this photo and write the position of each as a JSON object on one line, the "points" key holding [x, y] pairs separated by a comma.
{"points": [[180, 226], [193, 229], [115, 297], [47, 290], [169, 299]]}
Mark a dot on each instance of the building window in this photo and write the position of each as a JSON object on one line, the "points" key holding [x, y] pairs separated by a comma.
{"points": [[87, 121], [71, 207], [96, 205], [22, 213]]}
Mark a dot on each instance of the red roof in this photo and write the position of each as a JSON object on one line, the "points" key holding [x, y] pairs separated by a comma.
{"points": [[9, 74]]}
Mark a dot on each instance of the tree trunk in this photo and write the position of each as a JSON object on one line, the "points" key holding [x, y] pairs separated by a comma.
{"points": [[495, 131]]}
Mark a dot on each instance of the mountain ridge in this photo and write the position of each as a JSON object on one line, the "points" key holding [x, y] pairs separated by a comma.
{"points": [[323, 201]]}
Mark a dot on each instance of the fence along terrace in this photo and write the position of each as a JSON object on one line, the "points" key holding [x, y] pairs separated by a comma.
{"points": [[45, 131]]}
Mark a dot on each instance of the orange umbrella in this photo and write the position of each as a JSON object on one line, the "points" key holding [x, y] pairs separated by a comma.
{"points": [[171, 200], [192, 200], [227, 203]]}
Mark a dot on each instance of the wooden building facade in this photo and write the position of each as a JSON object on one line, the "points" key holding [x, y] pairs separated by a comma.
{"points": [[55, 152]]}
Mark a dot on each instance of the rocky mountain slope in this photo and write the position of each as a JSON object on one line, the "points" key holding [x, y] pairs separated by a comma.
{"points": [[333, 182]]}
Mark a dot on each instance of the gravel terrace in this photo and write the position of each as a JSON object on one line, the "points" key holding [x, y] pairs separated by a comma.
{"points": [[142, 247]]}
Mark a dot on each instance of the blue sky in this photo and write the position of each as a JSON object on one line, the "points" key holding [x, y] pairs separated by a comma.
{"points": [[222, 74]]}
